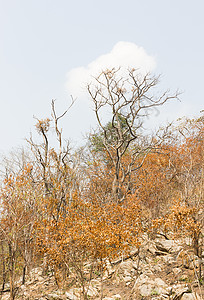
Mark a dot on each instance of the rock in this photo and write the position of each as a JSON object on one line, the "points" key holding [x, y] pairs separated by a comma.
{"points": [[58, 295], [149, 287], [5, 297], [177, 271], [127, 279], [194, 262], [126, 271], [110, 270], [54, 296], [157, 268], [190, 296], [96, 283], [160, 282], [126, 266], [37, 270], [164, 246], [114, 297], [169, 259], [142, 279], [168, 246], [179, 290], [151, 248], [71, 296], [92, 291]]}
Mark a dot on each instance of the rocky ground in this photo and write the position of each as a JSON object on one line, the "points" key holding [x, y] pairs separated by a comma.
{"points": [[162, 269]]}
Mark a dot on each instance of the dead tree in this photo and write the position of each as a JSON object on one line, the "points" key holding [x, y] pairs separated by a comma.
{"points": [[129, 100]]}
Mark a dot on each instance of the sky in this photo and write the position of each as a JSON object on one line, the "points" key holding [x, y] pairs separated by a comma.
{"points": [[50, 48]]}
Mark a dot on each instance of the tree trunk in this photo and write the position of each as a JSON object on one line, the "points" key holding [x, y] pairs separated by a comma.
{"points": [[11, 272], [3, 267]]}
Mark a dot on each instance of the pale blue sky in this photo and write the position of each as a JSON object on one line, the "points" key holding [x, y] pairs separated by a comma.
{"points": [[42, 40]]}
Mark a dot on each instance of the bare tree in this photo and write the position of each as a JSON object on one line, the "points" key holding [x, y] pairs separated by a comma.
{"points": [[53, 163], [14, 162], [129, 100], [54, 176]]}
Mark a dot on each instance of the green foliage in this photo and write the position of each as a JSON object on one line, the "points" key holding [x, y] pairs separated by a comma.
{"points": [[110, 134]]}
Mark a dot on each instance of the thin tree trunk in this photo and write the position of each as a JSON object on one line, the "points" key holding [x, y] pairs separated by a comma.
{"points": [[11, 273], [3, 267], [24, 274]]}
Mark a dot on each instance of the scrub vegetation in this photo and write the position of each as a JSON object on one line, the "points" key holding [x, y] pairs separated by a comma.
{"points": [[72, 212]]}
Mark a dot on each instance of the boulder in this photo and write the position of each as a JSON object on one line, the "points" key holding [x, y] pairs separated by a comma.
{"points": [[126, 271], [168, 246], [147, 286], [190, 296], [179, 290]]}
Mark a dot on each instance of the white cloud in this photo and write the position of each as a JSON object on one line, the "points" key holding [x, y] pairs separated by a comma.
{"points": [[124, 55]]}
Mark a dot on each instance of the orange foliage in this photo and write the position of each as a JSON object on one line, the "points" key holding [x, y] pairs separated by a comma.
{"points": [[92, 230], [73, 227]]}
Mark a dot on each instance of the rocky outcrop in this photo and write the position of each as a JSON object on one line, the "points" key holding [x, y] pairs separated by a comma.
{"points": [[162, 269]]}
